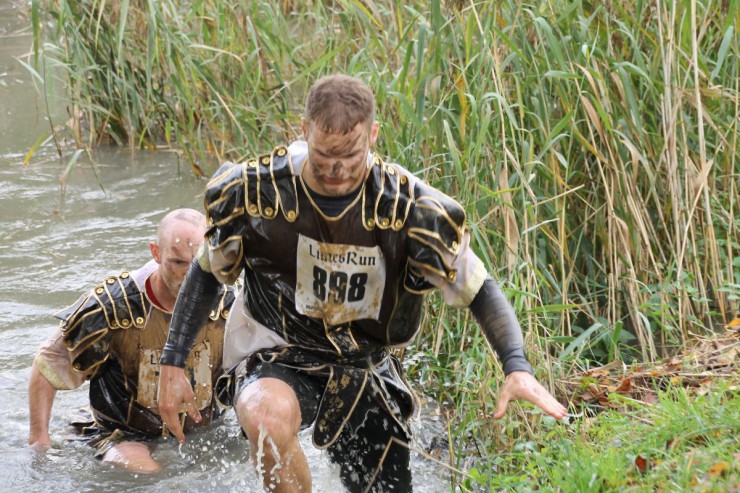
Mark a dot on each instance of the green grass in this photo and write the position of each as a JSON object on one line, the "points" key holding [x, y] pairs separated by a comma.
{"points": [[594, 146], [685, 442]]}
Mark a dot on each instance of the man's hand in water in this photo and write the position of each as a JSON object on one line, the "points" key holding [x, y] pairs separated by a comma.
{"points": [[175, 394], [522, 385]]}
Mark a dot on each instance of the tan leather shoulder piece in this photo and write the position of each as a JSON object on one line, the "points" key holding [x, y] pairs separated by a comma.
{"points": [[117, 303]]}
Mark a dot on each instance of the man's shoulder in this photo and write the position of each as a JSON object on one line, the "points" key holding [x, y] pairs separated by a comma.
{"points": [[262, 186], [396, 199], [119, 301]]}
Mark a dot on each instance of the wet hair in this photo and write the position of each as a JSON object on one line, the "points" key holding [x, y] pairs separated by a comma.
{"points": [[337, 103]]}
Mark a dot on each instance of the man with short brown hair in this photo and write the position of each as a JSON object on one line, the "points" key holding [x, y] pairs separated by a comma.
{"points": [[337, 248]]}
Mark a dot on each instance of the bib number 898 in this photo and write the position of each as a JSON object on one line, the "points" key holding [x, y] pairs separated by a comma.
{"points": [[338, 285]]}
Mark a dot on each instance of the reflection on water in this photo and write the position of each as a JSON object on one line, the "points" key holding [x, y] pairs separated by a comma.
{"points": [[54, 246]]}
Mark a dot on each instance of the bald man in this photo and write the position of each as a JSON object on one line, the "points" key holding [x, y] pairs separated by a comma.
{"points": [[113, 336]]}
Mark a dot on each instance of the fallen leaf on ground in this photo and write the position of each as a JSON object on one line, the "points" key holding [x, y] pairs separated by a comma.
{"points": [[719, 469]]}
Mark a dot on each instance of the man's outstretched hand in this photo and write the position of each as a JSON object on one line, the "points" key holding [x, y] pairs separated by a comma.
{"points": [[522, 385], [175, 393]]}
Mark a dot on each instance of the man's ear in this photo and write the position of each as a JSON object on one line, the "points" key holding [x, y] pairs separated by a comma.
{"points": [[374, 133], [304, 128], [154, 248]]}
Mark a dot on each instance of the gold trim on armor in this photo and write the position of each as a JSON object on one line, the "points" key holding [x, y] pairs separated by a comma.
{"points": [[108, 321], [271, 211], [423, 239], [237, 264], [66, 329], [327, 333], [95, 336], [390, 184], [318, 210], [443, 212], [222, 176], [223, 197], [92, 369], [352, 336], [347, 414], [426, 267], [290, 215], [282, 315]]}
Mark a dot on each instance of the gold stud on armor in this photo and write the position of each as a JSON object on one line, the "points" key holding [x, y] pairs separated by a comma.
{"points": [[384, 222], [125, 323], [252, 164], [370, 223], [452, 275], [100, 291], [110, 280], [253, 209], [398, 224], [291, 215], [139, 320], [265, 160], [281, 152], [124, 275], [269, 211]]}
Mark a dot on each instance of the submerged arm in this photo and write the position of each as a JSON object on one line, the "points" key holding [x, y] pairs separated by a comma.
{"points": [[40, 401]]}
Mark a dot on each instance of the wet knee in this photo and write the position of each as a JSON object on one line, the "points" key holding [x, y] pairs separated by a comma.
{"points": [[133, 456], [274, 415]]}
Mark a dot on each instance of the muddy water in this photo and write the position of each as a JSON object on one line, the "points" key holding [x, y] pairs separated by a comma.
{"points": [[55, 245]]}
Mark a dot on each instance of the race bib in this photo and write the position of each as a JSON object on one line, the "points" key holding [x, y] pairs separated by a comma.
{"points": [[338, 283], [198, 370]]}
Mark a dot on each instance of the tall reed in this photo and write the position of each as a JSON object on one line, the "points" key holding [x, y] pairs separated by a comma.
{"points": [[594, 145]]}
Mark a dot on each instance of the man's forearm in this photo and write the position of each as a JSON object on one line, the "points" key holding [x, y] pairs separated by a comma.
{"points": [[40, 401], [500, 326], [197, 296]]}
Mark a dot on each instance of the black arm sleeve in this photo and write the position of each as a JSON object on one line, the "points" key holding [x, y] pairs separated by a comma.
{"points": [[500, 326], [197, 296]]}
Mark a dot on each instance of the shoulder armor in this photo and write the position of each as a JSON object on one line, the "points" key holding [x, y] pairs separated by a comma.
{"points": [[387, 197], [223, 306], [116, 303], [270, 186], [224, 196], [435, 231]]}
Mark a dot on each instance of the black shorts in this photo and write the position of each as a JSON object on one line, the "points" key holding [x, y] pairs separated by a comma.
{"points": [[99, 437], [372, 450]]}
